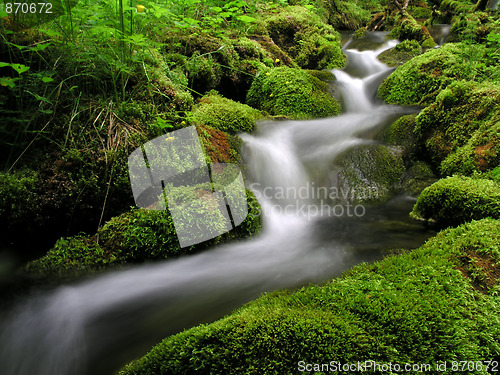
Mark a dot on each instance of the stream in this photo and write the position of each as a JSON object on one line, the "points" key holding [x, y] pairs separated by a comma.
{"points": [[97, 325]]}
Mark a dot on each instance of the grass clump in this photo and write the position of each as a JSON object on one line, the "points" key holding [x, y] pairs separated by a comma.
{"points": [[454, 200], [224, 114], [137, 236], [417, 307], [420, 80], [293, 93]]}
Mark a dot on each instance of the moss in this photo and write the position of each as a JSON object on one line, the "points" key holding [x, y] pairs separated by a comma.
{"points": [[417, 177], [291, 92], [455, 200], [420, 80], [421, 12], [416, 307], [401, 133], [460, 129], [312, 43], [401, 53], [359, 33], [218, 145], [350, 15], [18, 199], [224, 114], [134, 237], [375, 169], [474, 27], [322, 75]]}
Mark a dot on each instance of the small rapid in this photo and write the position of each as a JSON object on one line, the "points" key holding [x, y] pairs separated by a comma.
{"points": [[97, 325]]}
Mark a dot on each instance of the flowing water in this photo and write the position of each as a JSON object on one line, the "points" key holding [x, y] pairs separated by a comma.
{"points": [[96, 326]]}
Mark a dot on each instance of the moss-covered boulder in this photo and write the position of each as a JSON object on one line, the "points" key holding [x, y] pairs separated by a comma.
{"points": [[473, 26], [370, 173], [224, 114], [460, 130], [401, 133], [312, 43], [417, 177], [409, 29], [401, 53], [436, 303], [420, 80], [454, 200], [293, 93], [135, 237]]}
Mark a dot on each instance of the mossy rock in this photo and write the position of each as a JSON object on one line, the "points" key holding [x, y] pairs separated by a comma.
{"points": [[224, 114], [350, 15], [421, 79], [220, 147], [403, 52], [474, 26], [312, 43], [371, 313], [417, 177], [134, 237], [371, 172], [454, 200], [409, 29], [461, 128], [293, 93], [401, 133]]}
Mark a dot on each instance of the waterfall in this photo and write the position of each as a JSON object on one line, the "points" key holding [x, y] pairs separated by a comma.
{"points": [[96, 326]]}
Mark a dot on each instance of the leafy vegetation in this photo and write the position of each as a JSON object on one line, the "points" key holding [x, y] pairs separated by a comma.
{"points": [[421, 306]]}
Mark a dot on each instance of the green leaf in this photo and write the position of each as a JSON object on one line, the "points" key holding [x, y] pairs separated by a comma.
{"points": [[46, 111], [40, 47], [246, 19], [47, 79], [38, 97], [20, 68], [7, 81]]}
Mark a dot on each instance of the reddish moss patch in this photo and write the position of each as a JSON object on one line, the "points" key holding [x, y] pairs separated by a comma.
{"points": [[216, 144], [480, 269]]}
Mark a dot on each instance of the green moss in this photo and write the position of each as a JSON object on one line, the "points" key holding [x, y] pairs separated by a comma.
{"points": [[417, 177], [417, 307], [350, 15], [18, 198], [312, 43], [421, 12], [291, 92], [455, 200], [474, 26], [461, 128], [322, 75], [134, 237], [401, 53], [224, 114], [375, 169], [400, 133], [420, 80], [359, 33]]}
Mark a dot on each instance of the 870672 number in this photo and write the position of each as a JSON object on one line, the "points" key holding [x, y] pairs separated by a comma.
{"points": [[25, 8]]}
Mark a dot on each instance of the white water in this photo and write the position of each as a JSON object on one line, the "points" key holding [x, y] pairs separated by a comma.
{"points": [[96, 326]]}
